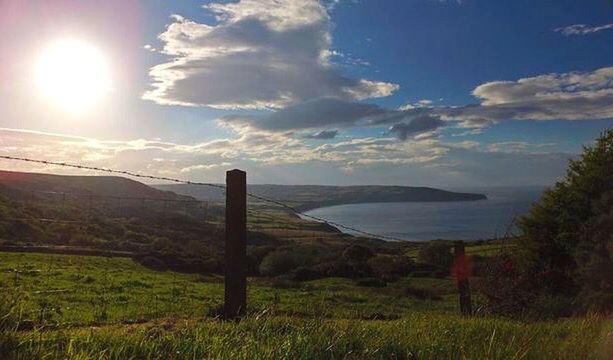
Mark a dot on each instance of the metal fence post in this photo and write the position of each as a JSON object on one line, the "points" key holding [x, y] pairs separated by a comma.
{"points": [[235, 296], [461, 270]]}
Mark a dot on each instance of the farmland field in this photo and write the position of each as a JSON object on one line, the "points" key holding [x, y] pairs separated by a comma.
{"points": [[59, 306]]}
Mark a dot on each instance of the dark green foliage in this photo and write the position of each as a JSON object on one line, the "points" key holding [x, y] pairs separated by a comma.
{"points": [[304, 273], [153, 263], [389, 267], [341, 268], [420, 293], [567, 237], [255, 255], [357, 254], [371, 282], [437, 253], [280, 262]]}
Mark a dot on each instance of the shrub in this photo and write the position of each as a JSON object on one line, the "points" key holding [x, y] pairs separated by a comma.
{"points": [[279, 262], [390, 266], [437, 253], [153, 263], [357, 254], [202, 265], [306, 273], [513, 291], [341, 268], [255, 255]]}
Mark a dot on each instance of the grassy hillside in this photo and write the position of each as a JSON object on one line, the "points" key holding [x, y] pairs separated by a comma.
{"points": [[94, 185], [76, 307], [163, 232], [305, 197]]}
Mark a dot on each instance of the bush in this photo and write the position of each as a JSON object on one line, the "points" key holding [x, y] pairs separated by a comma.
{"points": [[357, 254], [255, 255], [437, 253], [153, 263], [283, 282], [507, 290], [305, 274], [280, 262], [389, 266], [344, 269]]}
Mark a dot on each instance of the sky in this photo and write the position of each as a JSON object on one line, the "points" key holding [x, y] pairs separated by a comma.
{"points": [[414, 92]]}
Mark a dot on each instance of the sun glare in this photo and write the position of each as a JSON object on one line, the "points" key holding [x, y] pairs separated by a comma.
{"points": [[73, 75]]}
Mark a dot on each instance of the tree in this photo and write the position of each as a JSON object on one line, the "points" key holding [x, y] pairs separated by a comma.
{"points": [[567, 237]]}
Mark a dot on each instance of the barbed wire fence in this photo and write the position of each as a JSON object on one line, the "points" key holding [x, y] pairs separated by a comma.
{"points": [[282, 205], [162, 296]]}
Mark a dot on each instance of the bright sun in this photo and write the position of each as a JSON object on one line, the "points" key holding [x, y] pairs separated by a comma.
{"points": [[73, 75]]}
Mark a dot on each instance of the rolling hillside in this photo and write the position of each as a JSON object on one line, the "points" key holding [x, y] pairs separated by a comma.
{"points": [[90, 185], [305, 197]]}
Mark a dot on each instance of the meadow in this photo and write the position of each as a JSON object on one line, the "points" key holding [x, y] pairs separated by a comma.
{"points": [[77, 307]]}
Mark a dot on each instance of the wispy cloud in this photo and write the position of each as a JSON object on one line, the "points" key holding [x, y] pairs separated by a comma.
{"points": [[582, 29], [267, 156]]}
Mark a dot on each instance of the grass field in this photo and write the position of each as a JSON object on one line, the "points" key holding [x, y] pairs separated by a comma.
{"points": [[77, 307]]}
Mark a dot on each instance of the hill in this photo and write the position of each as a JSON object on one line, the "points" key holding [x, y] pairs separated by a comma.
{"points": [[86, 185], [305, 197]]}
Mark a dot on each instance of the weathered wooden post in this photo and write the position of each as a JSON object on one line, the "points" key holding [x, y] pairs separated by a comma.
{"points": [[461, 271], [235, 297]]}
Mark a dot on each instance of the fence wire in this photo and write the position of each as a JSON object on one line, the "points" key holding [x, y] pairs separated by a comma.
{"points": [[219, 186]]}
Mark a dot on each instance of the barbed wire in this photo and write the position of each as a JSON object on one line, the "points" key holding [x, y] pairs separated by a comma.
{"points": [[219, 186], [108, 170], [97, 196]]}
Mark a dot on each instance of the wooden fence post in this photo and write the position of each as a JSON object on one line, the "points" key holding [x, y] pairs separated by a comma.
{"points": [[461, 270], [235, 297]]}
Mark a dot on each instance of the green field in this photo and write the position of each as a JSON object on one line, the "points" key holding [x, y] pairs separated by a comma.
{"points": [[76, 307]]}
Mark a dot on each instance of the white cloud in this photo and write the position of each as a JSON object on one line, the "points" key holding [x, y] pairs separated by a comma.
{"points": [[582, 29], [566, 96], [274, 157], [150, 48], [192, 168], [260, 54]]}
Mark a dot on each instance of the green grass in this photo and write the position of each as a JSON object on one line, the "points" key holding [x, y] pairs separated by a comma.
{"points": [[82, 290], [80, 307], [419, 336]]}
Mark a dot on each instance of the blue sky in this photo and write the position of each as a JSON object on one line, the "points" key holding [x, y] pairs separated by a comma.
{"points": [[416, 92]]}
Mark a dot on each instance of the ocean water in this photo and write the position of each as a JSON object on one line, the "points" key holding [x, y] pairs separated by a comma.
{"points": [[420, 221]]}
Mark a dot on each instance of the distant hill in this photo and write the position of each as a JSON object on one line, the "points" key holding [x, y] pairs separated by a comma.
{"points": [[306, 197], [89, 185], [303, 197]]}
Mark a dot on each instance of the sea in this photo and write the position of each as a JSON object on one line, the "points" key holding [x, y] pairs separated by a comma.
{"points": [[492, 218]]}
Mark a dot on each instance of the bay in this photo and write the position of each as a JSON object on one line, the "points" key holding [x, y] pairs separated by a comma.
{"points": [[420, 221]]}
